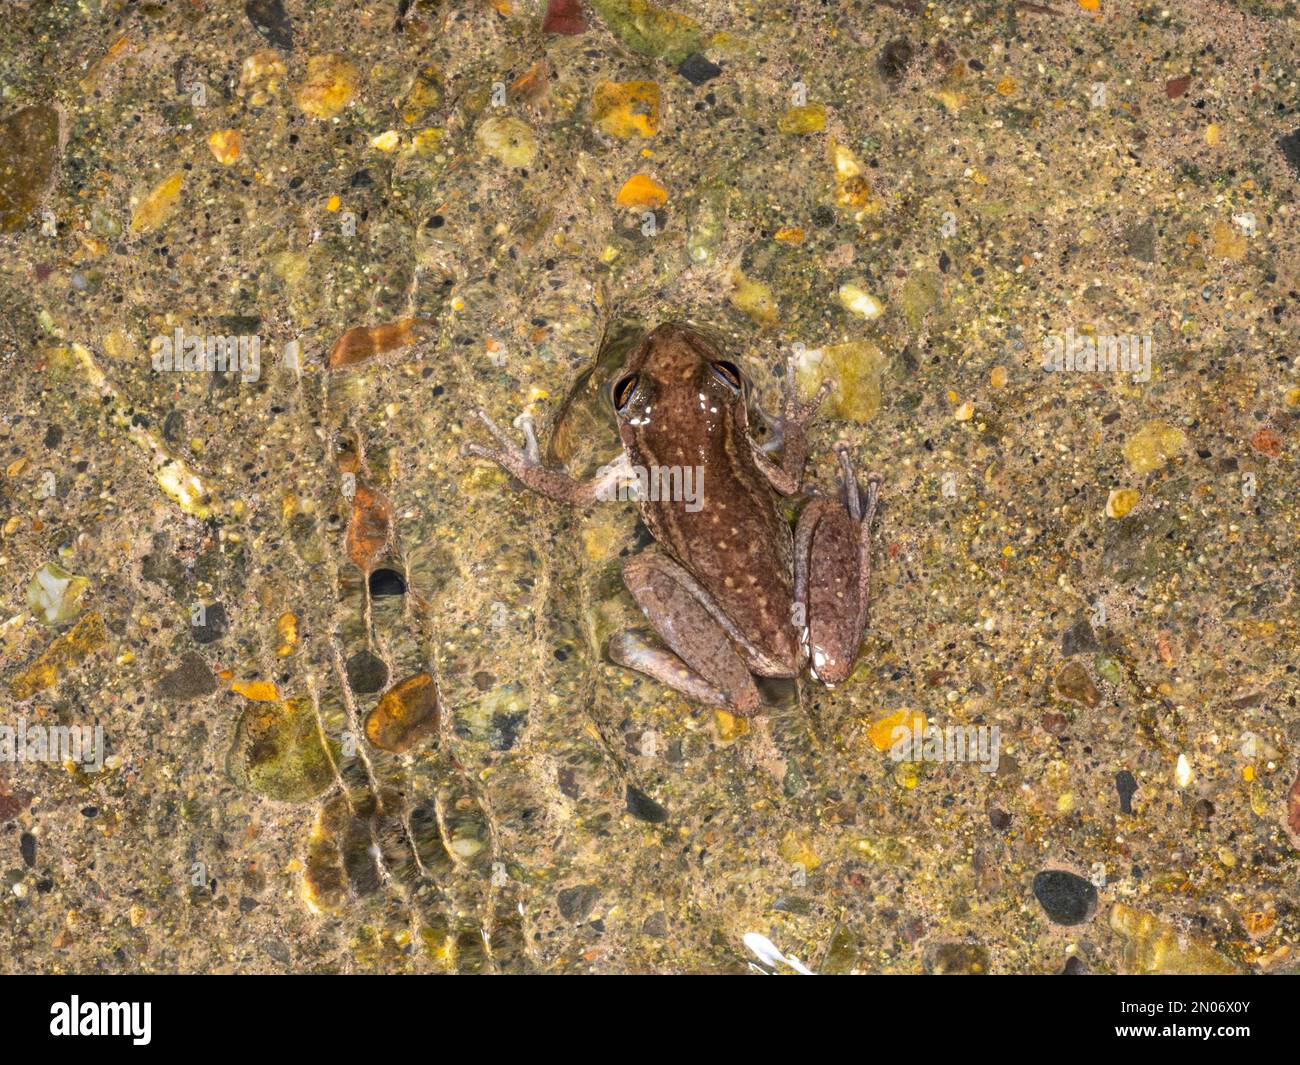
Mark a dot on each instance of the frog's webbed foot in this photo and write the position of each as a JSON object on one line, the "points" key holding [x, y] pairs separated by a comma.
{"points": [[794, 412], [790, 432], [525, 464]]}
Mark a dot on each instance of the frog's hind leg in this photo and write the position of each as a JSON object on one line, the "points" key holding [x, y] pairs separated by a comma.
{"points": [[702, 661], [833, 573]]}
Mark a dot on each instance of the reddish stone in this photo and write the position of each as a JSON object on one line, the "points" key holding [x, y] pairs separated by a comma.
{"points": [[1267, 442], [564, 16], [1175, 87], [12, 803]]}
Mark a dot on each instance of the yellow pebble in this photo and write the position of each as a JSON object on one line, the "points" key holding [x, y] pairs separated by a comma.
{"points": [[998, 377], [884, 733], [1121, 501], [225, 145], [641, 190]]}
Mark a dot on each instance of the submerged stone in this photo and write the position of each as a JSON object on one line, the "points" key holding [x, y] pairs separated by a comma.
{"points": [[1065, 897], [406, 713], [856, 368], [191, 679], [29, 149], [63, 655], [364, 342], [626, 109], [564, 17], [510, 141], [1157, 948], [278, 751], [366, 672], [54, 595], [329, 86], [1074, 683], [269, 19], [650, 30]]}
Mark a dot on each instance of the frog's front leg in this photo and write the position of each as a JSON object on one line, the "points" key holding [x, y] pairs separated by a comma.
{"points": [[832, 575], [791, 433], [706, 658], [526, 465]]}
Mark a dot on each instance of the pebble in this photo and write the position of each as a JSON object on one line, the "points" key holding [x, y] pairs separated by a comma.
{"points": [[54, 595], [857, 300], [191, 679], [856, 367], [1120, 501], [696, 69], [270, 20], [649, 29], [369, 528], [405, 714], [1073, 682], [642, 191], [797, 121], [576, 902], [60, 657], [386, 582], [366, 672], [158, 205], [1154, 947], [1290, 146], [564, 17], [754, 298], [956, 959], [364, 342], [1153, 445], [278, 753], [895, 58], [214, 625], [329, 86], [29, 150], [1066, 898], [626, 109], [644, 808], [1078, 639], [508, 140]]}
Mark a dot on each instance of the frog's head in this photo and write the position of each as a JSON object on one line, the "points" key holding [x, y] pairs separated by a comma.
{"points": [[674, 379]]}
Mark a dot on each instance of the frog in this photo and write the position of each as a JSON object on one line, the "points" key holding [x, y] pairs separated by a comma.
{"points": [[732, 592]]}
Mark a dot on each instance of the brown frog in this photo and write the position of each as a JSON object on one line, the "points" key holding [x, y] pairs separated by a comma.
{"points": [[730, 589]]}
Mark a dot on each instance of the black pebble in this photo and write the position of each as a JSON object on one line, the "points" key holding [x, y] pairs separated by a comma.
{"points": [[366, 673], [1126, 784], [697, 70], [53, 436], [387, 582], [1066, 898], [27, 845], [576, 902], [644, 808], [191, 679], [1074, 967], [1290, 145], [269, 19], [215, 625], [1078, 639], [896, 58]]}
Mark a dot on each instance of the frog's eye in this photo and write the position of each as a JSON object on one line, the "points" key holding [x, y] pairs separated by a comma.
{"points": [[623, 391], [727, 373]]}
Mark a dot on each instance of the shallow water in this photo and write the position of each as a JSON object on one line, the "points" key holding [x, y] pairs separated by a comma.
{"points": [[911, 197]]}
